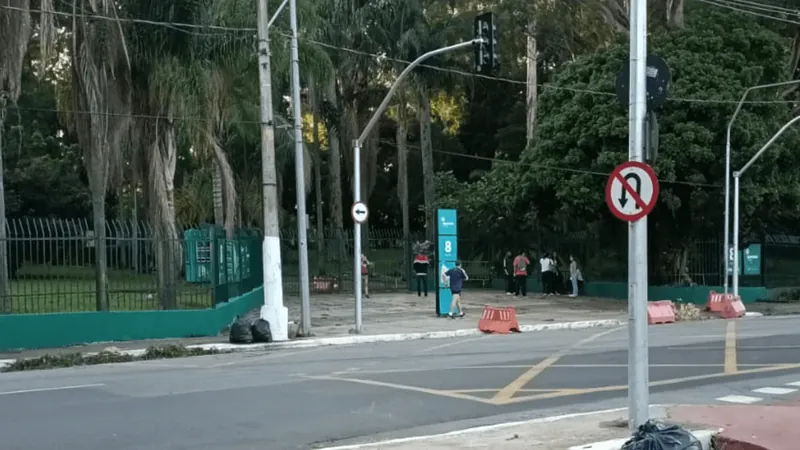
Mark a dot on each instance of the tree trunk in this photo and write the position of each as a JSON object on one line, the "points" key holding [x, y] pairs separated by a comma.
{"points": [[532, 81], [401, 138], [318, 176], [675, 18], [5, 298], [162, 201], [335, 166], [428, 186], [219, 207]]}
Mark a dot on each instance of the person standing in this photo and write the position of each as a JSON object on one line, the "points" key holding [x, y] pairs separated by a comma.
{"points": [[365, 263], [546, 265], [421, 264], [457, 276], [557, 281], [521, 263], [573, 275], [508, 269]]}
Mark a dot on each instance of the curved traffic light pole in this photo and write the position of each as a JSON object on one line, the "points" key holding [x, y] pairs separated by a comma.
{"points": [[357, 143]]}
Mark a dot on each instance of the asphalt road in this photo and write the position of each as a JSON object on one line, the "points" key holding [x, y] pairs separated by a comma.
{"points": [[294, 399]]}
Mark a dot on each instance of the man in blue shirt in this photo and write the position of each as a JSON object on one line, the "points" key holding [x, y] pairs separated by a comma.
{"points": [[457, 277]]}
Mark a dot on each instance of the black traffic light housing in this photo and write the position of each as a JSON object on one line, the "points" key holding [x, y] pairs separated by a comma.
{"points": [[486, 60]]}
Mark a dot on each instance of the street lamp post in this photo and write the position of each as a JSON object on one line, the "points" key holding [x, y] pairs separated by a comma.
{"points": [[737, 176], [727, 251]]}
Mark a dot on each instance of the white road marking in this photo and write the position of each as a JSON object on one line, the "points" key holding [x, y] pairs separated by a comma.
{"points": [[774, 391], [743, 399], [796, 383], [449, 344], [59, 388]]}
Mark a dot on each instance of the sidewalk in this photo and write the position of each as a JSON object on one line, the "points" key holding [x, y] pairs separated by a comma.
{"points": [[332, 316], [748, 427], [598, 430]]}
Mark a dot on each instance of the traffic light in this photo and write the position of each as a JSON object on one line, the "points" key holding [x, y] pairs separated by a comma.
{"points": [[486, 60]]}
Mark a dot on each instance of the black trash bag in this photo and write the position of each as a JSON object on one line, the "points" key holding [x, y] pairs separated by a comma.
{"points": [[241, 332], [261, 331], [655, 435]]}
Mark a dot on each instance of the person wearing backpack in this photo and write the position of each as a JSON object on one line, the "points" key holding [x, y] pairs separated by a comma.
{"points": [[457, 276], [521, 263]]}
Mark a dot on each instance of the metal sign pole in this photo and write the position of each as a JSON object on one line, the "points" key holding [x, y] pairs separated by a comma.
{"points": [[357, 235], [638, 391]]}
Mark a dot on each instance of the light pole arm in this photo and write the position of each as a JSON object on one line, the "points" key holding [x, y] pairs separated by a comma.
{"points": [[385, 103], [748, 91], [766, 146], [277, 12]]}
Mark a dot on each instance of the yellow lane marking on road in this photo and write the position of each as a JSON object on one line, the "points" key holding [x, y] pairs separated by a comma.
{"points": [[478, 391], [440, 393], [505, 395], [731, 366], [566, 393]]}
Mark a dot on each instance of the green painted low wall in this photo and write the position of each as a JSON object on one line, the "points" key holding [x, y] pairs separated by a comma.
{"points": [[32, 331], [685, 294]]}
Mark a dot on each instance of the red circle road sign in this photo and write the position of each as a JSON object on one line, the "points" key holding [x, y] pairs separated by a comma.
{"points": [[632, 190]]}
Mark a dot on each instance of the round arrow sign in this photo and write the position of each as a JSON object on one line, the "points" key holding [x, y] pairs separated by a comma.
{"points": [[632, 190], [359, 212]]}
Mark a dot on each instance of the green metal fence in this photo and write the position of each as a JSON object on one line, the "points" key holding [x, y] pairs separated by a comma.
{"points": [[52, 263], [52, 267]]}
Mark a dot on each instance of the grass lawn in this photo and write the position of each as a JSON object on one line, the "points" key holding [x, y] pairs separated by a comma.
{"points": [[48, 289]]}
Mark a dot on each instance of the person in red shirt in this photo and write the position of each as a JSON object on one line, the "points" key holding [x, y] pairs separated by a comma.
{"points": [[421, 263], [521, 263]]}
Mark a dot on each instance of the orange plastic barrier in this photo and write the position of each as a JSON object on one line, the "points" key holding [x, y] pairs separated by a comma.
{"points": [[498, 320], [716, 301], [660, 312], [733, 308]]}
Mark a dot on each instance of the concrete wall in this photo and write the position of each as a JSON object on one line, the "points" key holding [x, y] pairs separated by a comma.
{"points": [[32, 331]]}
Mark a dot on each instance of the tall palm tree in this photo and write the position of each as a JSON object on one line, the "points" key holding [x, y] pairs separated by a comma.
{"points": [[100, 73], [15, 34]]}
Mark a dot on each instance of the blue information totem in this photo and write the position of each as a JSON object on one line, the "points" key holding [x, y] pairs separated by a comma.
{"points": [[446, 257]]}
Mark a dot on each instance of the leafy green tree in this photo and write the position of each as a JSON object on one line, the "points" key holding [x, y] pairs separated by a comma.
{"points": [[581, 136]]}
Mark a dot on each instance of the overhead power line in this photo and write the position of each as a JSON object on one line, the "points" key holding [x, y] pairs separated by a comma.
{"points": [[224, 30]]}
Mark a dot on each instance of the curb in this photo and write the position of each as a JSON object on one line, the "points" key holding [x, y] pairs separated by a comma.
{"points": [[365, 339], [374, 338], [499, 426], [703, 436]]}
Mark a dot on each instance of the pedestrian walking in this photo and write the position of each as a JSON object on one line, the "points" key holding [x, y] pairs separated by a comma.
{"points": [[521, 263], [573, 275], [457, 277], [421, 264], [508, 270], [365, 264], [546, 265]]}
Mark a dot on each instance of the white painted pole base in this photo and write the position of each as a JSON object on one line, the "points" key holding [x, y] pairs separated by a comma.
{"points": [[273, 310]]}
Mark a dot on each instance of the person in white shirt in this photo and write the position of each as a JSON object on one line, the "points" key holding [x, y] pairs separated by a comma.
{"points": [[573, 275], [546, 265]]}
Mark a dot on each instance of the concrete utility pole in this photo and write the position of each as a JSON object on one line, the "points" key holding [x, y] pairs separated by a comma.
{"points": [[273, 310], [638, 376], [300, 180]]}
